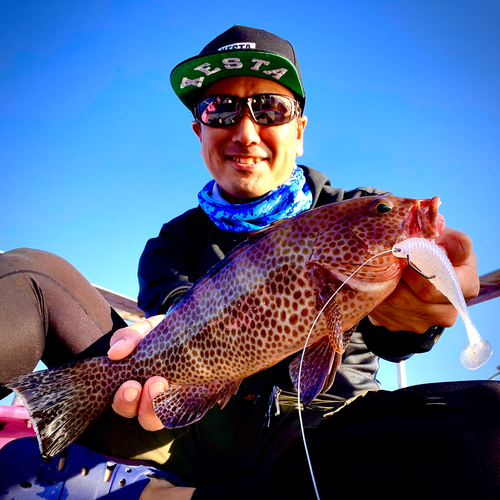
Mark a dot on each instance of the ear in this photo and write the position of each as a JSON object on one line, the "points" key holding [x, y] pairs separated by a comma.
{"points": [[196, 128], [301, 125]]}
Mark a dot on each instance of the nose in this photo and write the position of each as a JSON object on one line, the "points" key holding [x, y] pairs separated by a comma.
{"points": [[246, 131]]}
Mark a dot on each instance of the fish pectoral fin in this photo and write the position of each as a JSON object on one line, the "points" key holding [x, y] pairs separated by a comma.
{"points": [[182, 405], [327, 306], [334, 326], [322, 359], [331, 374], [346, 337], [318, 369]]}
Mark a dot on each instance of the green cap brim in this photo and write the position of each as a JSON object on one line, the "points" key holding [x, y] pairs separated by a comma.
{"points": [[190, 78]]}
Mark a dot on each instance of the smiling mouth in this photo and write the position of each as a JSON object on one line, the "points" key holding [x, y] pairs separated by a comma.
{"points": [[246, 160]]}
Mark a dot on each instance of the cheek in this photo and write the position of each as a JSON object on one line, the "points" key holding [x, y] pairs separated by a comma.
{"points": [[208, 144], [283, 142]]}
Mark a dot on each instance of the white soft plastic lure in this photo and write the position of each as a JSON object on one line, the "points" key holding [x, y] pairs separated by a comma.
{"points": [[432, 261]]}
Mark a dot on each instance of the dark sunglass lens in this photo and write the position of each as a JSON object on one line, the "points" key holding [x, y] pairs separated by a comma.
{"points": [[218, 111], [267, 109], [273, 109]]}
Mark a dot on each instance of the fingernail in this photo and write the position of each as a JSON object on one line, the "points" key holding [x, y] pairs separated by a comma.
{"points": [[130, 394], [119, 342], [156, 388]]}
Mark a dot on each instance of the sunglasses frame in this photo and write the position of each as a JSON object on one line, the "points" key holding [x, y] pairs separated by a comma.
{"points": [[245, 102]]}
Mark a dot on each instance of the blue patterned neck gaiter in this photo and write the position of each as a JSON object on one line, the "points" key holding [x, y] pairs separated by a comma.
{"points": [[287, 200]]}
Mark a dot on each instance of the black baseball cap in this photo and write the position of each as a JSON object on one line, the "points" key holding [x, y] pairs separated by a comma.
{"points": [[239, 51]]}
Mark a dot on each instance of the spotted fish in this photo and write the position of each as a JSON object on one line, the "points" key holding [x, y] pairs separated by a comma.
{"points": [[252, 310]]}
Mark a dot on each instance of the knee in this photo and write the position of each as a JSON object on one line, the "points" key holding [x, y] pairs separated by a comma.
{"points": [[484, 420], [24, 259], [487, 396], [24, 253]]}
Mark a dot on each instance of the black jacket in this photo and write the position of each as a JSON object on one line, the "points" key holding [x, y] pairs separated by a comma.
{"points": [[189, 245]]}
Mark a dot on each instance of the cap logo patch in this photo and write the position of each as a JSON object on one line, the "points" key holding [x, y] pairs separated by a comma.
{"points": [[230, 63], [239, 46]]}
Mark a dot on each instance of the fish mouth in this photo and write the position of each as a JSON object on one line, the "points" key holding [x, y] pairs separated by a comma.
{"points": [[423, 220]]}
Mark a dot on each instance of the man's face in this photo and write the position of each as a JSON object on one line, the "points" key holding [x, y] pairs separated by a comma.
{"points": [[247, 160]]}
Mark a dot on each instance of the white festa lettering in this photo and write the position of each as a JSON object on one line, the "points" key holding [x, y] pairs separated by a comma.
{"points": [[232, 63], [258, 64], [276, 73], [205, 68], [197, 82], [236, 46]]}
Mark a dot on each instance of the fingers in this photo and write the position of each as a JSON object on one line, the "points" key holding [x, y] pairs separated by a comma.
{"points": [[457, 245], [147, 417], [421, 289], [127, 399], [404, 310], [132, 400], [125, 340]]}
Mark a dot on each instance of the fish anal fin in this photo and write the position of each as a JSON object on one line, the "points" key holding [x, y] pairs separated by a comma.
{"points": [[318, 368], [182, 405]]}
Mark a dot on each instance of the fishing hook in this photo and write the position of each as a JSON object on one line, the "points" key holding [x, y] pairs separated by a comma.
{"points": [[418, 270], [415, 268]]}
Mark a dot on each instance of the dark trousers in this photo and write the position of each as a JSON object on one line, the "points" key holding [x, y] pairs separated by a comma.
{"points": [[48, 311], [430, 441]]}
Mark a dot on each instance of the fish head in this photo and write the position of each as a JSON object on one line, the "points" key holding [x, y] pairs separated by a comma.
{"points": [[356, 230], [383, 221], [353, 250]]}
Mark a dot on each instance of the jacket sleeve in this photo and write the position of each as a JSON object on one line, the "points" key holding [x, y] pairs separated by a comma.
{"points": [[186, 248], [166, 271], [397, 346]]}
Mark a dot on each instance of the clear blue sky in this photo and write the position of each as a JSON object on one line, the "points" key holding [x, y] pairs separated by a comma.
{"points": [[96, 152]]}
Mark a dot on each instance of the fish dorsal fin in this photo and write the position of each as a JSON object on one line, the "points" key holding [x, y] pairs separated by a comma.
{"points": [[182, 405]]}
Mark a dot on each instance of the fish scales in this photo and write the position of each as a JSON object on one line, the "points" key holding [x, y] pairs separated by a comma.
{"points": [[249, 312]]}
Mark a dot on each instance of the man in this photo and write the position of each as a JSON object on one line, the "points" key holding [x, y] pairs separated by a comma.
{"points": [[248, 159], [247, 95]]}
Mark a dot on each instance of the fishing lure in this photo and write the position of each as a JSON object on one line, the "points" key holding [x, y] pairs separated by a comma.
{"points": [[432, 262]]}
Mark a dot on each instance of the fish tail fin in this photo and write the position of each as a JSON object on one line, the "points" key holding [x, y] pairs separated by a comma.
{"points": [[62, 402]]}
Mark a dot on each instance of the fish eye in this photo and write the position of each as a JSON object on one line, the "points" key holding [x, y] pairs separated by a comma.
{"points": [[381, 206]]}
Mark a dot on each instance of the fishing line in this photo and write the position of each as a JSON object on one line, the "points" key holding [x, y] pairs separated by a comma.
{"points": [[299, 403]]}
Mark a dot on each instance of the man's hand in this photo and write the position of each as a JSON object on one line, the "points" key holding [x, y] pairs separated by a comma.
{"points": [[416, 305], [132, 399]]}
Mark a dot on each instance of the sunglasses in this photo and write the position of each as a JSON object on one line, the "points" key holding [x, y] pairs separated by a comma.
{"points": [[265, 109]]}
